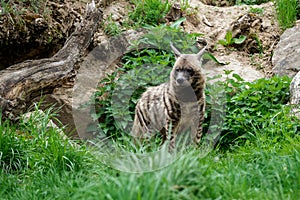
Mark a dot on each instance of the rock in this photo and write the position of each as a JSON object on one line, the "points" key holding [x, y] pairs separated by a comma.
{"points": [[286, 58], [295, 95], [236, 65], [94, 67], [37, 119]]}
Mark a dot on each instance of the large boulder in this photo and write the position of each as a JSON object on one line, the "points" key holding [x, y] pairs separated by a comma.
{"points": [[286, 59]]}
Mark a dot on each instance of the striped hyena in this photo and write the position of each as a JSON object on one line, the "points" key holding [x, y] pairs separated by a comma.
{"points": [[175, 106]]}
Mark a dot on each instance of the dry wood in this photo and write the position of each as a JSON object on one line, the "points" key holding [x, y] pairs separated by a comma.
{"points": [[22, 82]]}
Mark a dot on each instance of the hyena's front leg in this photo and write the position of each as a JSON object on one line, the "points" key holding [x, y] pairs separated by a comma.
{"points": [[200, 121], [171, 129]]}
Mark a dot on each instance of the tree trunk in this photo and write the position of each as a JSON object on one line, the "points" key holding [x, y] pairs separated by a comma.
{"points": [[20, 83]]}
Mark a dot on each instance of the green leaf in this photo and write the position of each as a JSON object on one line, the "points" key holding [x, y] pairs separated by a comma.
{"points": [[177, 23], [237, 77], [228, 38], [213, 58], [239, 40], [223, 42]]}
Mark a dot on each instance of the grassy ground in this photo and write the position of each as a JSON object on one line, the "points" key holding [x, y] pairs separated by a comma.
{"points": [[36, 163]]}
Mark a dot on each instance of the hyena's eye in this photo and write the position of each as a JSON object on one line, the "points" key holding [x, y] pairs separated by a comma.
{"points": [[190, 71]]}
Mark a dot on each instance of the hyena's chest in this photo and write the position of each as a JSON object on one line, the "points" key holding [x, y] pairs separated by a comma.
{"points": [[189, 116], [164, 107]]}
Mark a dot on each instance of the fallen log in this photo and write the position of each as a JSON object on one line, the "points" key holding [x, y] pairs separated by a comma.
{"points": [[20, 83]]}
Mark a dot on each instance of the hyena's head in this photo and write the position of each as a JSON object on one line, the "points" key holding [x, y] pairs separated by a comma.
{"points": [[187, 69]]}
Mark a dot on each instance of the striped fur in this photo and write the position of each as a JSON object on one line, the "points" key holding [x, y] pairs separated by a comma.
{"points": [[176, 106]]}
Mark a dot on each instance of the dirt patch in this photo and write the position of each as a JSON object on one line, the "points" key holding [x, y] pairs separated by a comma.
{"points": [[258, 23]]}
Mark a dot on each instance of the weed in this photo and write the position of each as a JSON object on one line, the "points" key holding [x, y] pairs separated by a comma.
{"points": [[110, 27], [229, 41], [184, 5]]}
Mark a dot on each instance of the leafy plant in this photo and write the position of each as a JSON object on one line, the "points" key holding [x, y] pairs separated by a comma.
{"points": [[286, 12], [149, 12], [229, 40], [253, 106], [160, 37]]}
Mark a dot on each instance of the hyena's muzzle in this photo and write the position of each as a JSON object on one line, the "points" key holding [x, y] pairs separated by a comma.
{"points": [[183, 77]]}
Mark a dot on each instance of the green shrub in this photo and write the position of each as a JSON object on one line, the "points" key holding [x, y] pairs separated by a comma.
{"points": [[149, 12], [110, 27], [252, 107]]}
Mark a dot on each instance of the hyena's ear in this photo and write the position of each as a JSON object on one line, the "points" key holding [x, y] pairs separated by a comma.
{"points": [[176, 52], [201, 52]]}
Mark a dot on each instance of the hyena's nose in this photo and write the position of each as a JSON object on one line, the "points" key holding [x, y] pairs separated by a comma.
{"points": [[180, 80]]}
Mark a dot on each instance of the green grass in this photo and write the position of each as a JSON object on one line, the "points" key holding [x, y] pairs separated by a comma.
{"points": [[262, 169], [149, 12], [287, 11]]}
